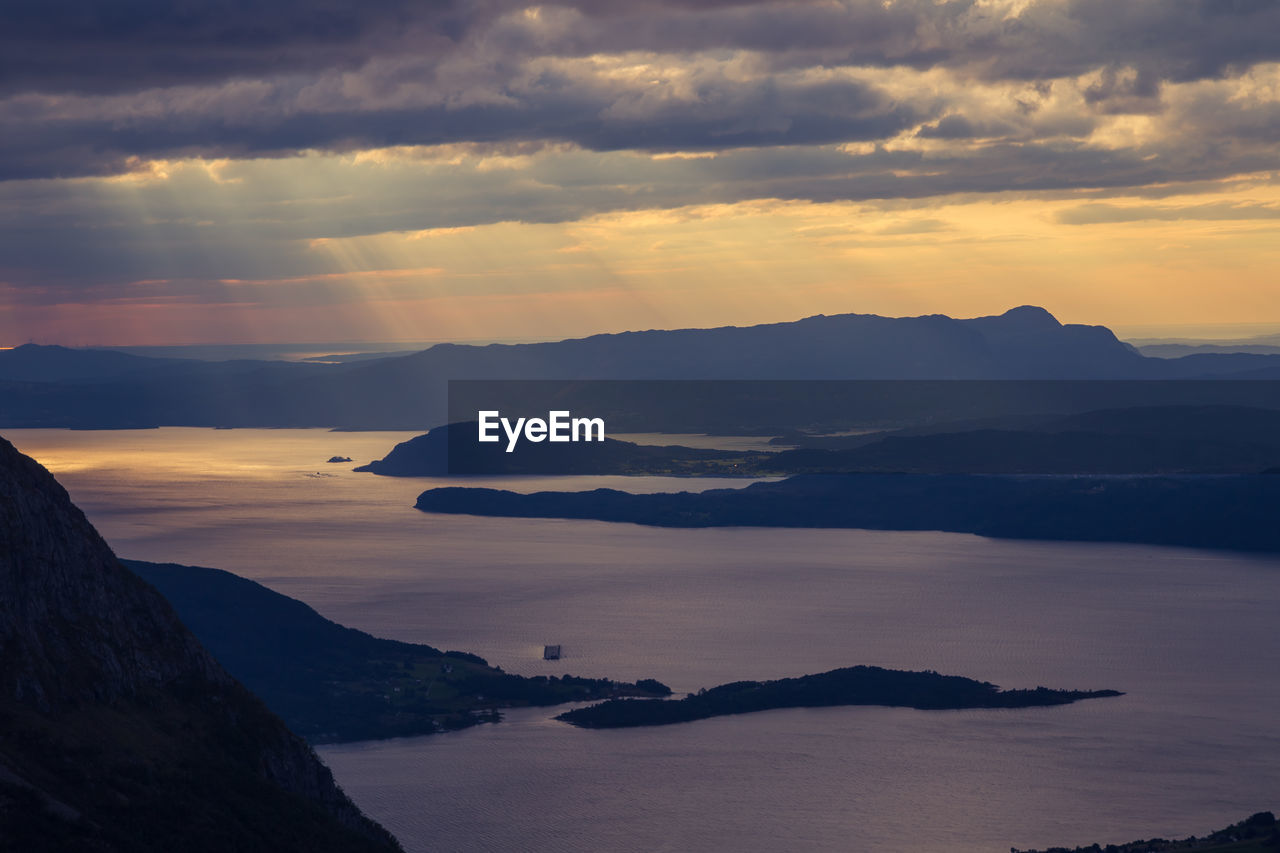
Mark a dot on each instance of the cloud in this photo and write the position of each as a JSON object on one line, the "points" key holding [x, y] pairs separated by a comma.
{"points": [[708, 107], [264, 219], [88, 46], [218, 140], [88, 88], [1100, 214]]}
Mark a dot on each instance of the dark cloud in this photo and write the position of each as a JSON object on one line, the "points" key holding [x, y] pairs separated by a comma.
{"points": [[130, 45], [95, 87], [1118, 92], [1177, 41], [726, 113]]}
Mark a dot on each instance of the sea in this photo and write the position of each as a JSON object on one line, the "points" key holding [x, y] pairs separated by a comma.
{"points": [[1190, 636]]}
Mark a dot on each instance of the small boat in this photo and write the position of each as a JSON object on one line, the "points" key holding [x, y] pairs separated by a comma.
{"points": [[551, 653]]}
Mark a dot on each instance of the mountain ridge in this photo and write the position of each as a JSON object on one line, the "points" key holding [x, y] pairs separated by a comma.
{"points": [[409, 391]]}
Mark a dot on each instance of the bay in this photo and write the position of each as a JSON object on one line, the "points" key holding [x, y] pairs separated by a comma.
{"points": [[1188, 635]]}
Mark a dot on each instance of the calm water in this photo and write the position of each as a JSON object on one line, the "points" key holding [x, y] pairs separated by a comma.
{"points": [[1189, 635]]}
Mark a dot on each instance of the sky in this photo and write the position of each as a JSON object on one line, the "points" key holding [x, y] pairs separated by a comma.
{"points": [[242, 171]]}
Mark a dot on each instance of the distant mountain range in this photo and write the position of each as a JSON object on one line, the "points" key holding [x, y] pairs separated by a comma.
{"points": [[54, 386], [1178, 347], [1180, 350]]}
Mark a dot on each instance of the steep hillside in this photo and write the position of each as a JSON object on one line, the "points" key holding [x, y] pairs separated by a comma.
{"points": [[120, 732]]}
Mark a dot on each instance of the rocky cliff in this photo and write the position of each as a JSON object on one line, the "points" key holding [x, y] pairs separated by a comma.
{"points": [[118, 730]]}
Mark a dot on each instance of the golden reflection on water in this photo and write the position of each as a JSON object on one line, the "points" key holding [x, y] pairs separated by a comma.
{"points": [[267, 502], [191, 452]]}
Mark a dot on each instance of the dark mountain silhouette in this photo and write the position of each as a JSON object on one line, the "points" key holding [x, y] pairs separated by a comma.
{"points": [[1025, 342], [408, 392], [120, 732], [36, 363], [57, 364]]}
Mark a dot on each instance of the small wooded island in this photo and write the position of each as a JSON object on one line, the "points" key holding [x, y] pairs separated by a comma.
{"points": [[855, 685]]}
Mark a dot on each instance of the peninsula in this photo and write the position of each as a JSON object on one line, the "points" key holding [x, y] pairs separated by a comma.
{"points": [[332, 683], [1235, 512]]}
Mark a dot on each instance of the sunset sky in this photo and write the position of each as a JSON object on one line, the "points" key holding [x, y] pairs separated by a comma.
{"points": [[218, 171]]}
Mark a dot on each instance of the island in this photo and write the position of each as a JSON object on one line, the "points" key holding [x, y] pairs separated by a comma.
{"points": [[453, 449], [855, 685], [331, 683], [338, 459]]}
